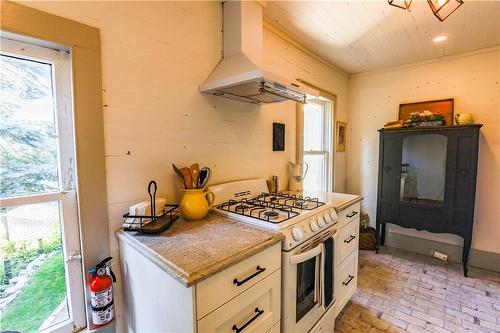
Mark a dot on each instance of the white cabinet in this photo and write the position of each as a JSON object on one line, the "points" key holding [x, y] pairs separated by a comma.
{"points": [[348, 240], [346, 258], [247, 293], [218, 289], [347, 279], [255, 310], [349, 214]]}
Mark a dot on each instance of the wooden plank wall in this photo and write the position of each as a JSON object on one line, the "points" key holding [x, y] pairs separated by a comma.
{"points": [[154, 57]]}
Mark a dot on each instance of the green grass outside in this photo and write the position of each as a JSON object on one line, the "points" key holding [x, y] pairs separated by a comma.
{"points": [[39, 298]]}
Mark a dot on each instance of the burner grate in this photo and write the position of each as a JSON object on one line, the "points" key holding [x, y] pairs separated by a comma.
{"points": [[290, 200], [265, 211], [273, 208]]}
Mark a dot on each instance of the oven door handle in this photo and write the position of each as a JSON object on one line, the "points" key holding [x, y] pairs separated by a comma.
{"points": [[321, 277], [302, 257]]}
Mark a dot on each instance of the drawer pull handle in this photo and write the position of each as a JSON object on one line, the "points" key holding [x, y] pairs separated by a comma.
{"points": [[239, 329], [351, 215], [348, 281], [349, 240], [259, 270]]}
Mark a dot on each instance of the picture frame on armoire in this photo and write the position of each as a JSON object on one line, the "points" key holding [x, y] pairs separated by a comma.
{"points": [[443, 107]]}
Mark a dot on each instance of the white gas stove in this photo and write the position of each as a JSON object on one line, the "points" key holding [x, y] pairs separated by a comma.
{"points": [[308, 250], [298, 218]]}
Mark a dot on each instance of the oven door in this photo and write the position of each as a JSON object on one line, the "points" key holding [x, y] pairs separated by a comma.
{"points": [[302, 288]]}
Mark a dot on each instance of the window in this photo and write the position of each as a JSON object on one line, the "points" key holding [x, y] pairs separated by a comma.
{"points": [[40, 263], [318, 144]]}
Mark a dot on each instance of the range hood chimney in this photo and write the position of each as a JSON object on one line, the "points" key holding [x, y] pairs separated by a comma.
{"points": [[240, 75]]}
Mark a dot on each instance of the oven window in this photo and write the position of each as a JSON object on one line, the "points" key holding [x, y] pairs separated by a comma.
{"points": [[306, 277]]}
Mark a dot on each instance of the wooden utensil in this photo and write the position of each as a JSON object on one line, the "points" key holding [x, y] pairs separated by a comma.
{"points": [[179, 173], [187, 177], [194, 170]]}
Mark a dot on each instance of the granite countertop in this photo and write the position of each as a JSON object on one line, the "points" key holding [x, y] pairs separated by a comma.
{"points": [[340, 201], [193, 251]]}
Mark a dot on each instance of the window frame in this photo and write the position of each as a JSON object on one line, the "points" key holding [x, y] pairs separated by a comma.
{"points": [[60, 61], [327, 140], [25, 23]]}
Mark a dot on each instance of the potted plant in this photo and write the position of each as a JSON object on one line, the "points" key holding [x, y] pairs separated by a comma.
{"points": [[367, 239], [426, 119]]}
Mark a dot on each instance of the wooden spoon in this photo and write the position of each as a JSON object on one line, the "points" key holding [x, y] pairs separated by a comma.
{"points": [[195, 171], [179, 173]]}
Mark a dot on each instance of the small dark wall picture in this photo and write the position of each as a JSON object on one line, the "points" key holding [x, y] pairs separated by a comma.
{"points": [[278, 137]]}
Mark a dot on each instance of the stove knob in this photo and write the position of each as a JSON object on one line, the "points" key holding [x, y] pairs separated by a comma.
{"points": [[314, 226], [321, 222], [297, 234], [333, 215], [327, 218]]}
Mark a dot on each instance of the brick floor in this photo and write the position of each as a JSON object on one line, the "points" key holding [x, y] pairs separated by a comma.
{"points": [[405, 292]]}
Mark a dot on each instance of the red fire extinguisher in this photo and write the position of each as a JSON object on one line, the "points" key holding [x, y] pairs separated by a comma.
{"points": [[101, 293]]}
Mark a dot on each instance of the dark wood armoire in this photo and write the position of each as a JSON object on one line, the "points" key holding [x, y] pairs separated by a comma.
{"points": [[427, 180]]}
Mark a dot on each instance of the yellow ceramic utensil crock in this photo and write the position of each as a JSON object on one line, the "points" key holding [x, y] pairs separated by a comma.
{"points": [[195, 204]]}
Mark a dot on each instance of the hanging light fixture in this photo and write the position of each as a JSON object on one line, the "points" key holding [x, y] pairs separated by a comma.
{"points": [[403, 4], [444, 8]]}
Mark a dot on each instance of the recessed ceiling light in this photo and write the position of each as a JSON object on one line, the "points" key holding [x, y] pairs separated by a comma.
{"points": [[439, 39]]}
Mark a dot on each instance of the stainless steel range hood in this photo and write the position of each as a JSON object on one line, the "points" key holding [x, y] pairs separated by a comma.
{"points": [[240, 75]]}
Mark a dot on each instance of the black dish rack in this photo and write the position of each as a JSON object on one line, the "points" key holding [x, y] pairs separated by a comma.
{"points": [[158, 223]]}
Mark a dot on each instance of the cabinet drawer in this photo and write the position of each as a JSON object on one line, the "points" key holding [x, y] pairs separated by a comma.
{"points": [[258, 308], [220, 288], [347, 241], [346, 281], [348, 214]]}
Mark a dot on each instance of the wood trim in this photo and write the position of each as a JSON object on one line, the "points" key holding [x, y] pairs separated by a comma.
{"points": [[84, 43], [334, 160], [299, 136], [287, 38], [30, 199], [427, 62], [428, 129], [322, 92]]}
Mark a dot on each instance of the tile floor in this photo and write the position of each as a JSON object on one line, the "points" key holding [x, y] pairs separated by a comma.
{"points": [[400, 291]]}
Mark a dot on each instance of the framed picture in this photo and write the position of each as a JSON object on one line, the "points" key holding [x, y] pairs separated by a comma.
{"points": [[441, 106], [341, 139], [278, 137]]}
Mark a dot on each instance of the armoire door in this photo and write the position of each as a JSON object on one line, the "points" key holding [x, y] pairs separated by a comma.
{"points": [[389, 176], [462, 180]]}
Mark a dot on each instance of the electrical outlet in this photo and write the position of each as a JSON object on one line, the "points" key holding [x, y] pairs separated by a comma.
{"points": [[441, 256]]}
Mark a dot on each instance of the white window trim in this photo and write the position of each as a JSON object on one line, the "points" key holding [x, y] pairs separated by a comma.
{"points": [[67, 196], [327, 140]]}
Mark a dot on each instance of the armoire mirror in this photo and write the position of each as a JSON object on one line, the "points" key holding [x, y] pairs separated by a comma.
{"points": [[423, 169]]}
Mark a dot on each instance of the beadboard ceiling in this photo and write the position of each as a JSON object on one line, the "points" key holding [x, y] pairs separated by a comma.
{"points": [[360, 36]]}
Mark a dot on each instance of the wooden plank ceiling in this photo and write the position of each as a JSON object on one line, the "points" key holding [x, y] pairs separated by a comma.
{"points": [[360, 36]]}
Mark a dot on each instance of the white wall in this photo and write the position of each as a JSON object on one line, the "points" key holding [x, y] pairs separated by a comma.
{"points": [[154, 56], [473, 80]]}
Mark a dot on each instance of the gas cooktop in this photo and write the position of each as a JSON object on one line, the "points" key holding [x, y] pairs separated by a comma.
{"points": [[270, 207]]}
